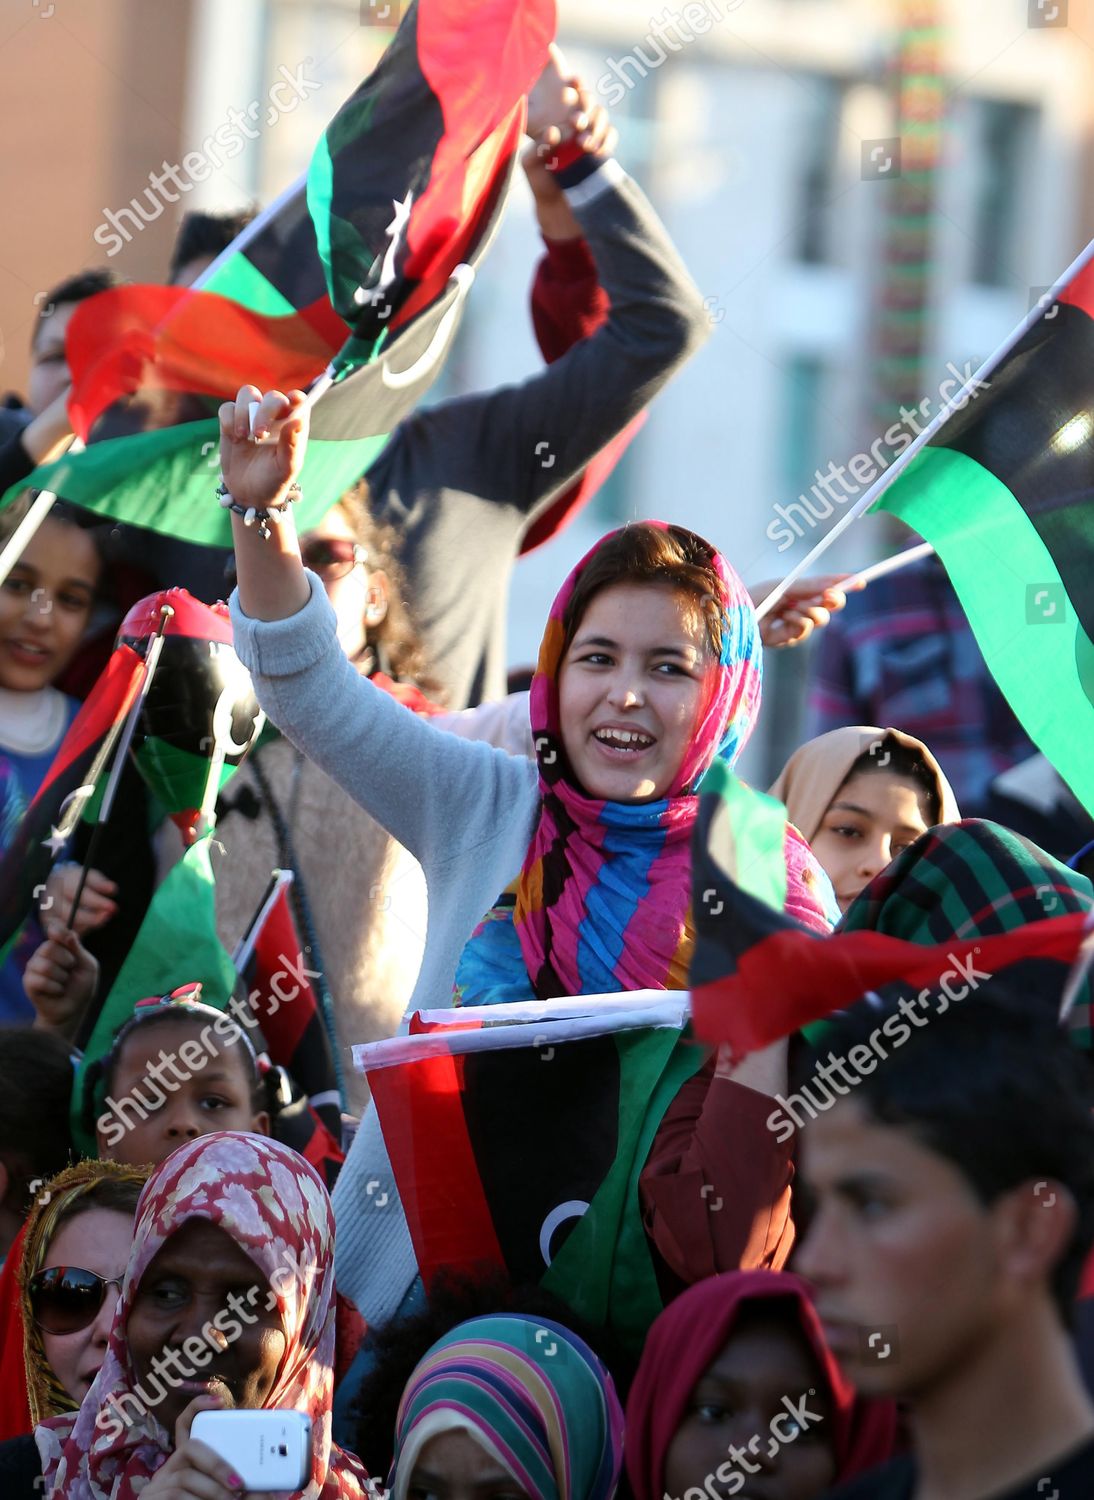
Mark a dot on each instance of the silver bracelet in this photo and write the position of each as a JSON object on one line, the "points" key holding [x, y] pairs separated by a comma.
{"points": [[260, 515]]}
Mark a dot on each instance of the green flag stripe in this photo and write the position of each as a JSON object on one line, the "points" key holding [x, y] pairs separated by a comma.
{"points": [[604, 1271], [164, 481], [320, 198], [244, 283], [1043, 661], [756, 826]]}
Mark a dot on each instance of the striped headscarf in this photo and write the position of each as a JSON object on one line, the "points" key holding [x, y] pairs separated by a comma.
{"points": [[974, 879], [603, 899], [530, 1393], [46, 1396], [274, 1206]]}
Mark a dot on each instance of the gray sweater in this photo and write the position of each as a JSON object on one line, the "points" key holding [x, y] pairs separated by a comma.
{"points": [[460, 481], [465, 810]]}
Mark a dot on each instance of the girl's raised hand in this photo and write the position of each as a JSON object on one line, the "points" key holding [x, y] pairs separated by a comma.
{"points": [[259, 469]]}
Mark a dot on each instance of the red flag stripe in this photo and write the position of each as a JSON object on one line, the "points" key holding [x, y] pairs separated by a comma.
{"points": [[420, 1107], [789, 979]]}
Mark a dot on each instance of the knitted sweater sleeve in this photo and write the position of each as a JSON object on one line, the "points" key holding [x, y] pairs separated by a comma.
{"points": [[440, 795]]}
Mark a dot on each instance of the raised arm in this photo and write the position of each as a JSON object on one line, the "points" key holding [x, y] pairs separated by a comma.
{"points": [[436, 793], [519, 445]]}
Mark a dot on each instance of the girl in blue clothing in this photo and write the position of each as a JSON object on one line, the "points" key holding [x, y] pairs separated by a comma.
{"points": [[45, 606]]}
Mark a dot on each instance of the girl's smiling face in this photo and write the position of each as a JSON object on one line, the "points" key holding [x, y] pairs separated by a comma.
{"points": [[630, 689], [45, 604]]}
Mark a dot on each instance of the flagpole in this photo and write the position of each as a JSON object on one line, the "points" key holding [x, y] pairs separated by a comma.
{"points": [[955, 403], [244, 949], [891, 564], [120, 756], [1078, 971]]}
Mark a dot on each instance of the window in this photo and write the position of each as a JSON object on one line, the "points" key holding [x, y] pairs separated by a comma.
{"points": [[818, 132], [1005, 136]]}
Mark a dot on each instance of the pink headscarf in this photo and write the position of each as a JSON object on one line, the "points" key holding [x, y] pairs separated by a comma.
{"points": [[276, 1209]]}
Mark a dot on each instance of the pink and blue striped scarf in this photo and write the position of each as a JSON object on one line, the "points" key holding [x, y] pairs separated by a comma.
{"points": [[603, 899]]}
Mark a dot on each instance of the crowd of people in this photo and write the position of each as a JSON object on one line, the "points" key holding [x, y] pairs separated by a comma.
{"points": [[890, 1299]]}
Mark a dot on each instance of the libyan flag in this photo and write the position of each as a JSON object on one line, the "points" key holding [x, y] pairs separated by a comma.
{"points": [[517, 1134], [1005, 494], [757, 975], [66, 794], [365, 268]]}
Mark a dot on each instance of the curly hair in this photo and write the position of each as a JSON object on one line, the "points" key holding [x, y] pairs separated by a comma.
{"points": [[397, 636]]}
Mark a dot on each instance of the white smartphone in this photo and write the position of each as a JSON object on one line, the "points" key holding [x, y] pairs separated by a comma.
{"points": [[269, 1450]]}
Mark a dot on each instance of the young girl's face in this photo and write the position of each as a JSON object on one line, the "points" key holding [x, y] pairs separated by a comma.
{"points": [[45, 604], [870, 820], [170, 1085], [630, 688]]}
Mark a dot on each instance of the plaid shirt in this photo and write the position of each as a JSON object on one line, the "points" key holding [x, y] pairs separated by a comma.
{"points": [[902, 655]]}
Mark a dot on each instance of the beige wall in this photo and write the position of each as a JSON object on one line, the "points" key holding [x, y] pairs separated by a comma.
{"points": [[92, 99]]}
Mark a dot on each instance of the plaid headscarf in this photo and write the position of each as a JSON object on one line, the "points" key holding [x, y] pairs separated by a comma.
{"points": [[276, 1209], [529, 1392], [603, 899], [973, 879], [46, 1396]]}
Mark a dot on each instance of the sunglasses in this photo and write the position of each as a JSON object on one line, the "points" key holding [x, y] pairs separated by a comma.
{"points": [[332, 557], [67, 1299]]}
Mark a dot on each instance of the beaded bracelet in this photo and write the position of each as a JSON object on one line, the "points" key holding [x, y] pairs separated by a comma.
{"points": [[263, 515]]}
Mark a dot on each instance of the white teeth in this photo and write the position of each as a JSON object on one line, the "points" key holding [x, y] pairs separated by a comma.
{"points": [[623, 739]]}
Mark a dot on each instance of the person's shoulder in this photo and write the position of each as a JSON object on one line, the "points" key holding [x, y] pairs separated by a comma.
{"points": [[20, 1468], [893, 1481]]}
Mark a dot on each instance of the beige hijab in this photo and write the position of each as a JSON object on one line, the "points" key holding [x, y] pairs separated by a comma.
{"points": [[809, 781]]}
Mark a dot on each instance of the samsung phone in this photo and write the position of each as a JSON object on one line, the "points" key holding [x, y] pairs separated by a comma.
{"points": [[269, 1450]]}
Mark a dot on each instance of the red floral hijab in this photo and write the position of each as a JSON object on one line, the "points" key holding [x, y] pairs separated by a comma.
{"points": [[275, 1207]]}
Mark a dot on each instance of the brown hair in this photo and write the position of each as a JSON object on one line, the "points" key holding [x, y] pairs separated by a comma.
{"points": [[641, 553], [397, 635]]}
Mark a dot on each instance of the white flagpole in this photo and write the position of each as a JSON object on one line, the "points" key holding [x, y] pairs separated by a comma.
{"points": [[955, 403], [892, 564]]}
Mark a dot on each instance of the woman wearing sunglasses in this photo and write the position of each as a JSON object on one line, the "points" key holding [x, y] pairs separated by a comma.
{"points": [[74, 1256]]}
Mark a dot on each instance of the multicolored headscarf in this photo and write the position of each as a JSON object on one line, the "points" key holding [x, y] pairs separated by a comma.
{"points": [[974, 879], [276, 1209], [603, 899], [530, 1393], [46, 1395]]}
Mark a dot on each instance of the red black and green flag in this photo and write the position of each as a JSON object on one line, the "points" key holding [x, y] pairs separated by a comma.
{"points": [[273, 964], [403, 197], [77, 772], [757, 975], [517, 1142], [201, 717], [1005, 494]]}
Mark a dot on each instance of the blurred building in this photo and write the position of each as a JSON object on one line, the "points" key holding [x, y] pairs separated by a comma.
{"points": [[759, 128]]}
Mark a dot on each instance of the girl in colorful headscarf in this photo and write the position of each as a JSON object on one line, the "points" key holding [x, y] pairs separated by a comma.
{"points": [[736, 1380], [509, 1406], [649, 670], [229, 1292]]}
